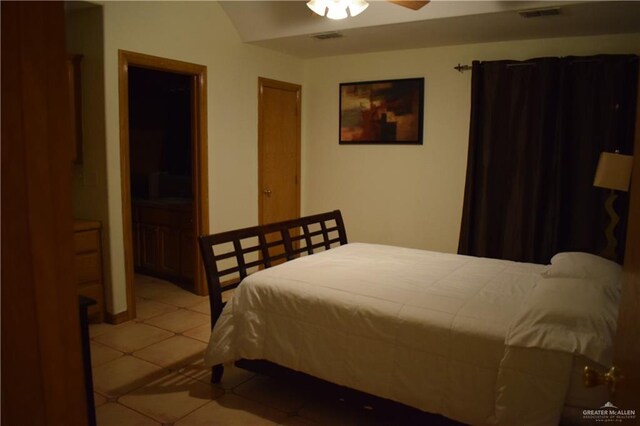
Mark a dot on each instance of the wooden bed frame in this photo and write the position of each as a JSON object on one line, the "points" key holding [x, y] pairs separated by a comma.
{"points": [[230, 256]]}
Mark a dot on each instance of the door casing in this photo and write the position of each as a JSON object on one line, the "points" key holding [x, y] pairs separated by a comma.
{"points": [[198, 74]]}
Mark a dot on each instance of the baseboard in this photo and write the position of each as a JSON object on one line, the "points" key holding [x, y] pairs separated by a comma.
{"points": [[117, 318]]}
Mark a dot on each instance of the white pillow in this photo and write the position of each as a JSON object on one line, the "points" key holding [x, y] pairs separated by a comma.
{"points": [[571, 315], [583, 265]]}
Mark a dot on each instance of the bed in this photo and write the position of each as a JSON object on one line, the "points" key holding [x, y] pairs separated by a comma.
{"points": [[481, 341]]}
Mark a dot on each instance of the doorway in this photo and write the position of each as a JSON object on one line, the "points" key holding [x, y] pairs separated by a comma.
{"points": [[278, 150], [163, 134]]}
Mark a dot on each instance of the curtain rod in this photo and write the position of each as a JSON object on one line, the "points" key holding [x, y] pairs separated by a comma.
{"points": [[462, 68]]}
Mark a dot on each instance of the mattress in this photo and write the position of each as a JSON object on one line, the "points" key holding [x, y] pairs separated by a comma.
{"points": [[439, 332]]}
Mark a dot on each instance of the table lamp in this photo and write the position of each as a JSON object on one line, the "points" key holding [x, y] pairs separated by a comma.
{"points": [[613, 173]]}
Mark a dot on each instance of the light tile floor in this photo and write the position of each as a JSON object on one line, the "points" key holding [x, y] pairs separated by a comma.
{"points": [[150, 371]]}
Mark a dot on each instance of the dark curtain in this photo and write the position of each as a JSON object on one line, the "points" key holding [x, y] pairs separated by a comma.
{"points": [[537, 130]]}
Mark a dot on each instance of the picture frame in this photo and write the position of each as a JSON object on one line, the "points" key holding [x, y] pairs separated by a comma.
{"points": [[382, 112]]}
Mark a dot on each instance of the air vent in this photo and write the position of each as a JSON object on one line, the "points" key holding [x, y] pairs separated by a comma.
{"points": [[540, 13], [326, 36]]}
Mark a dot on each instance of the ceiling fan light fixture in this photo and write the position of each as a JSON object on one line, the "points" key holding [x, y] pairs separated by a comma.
{"points": [[318, 6], [356, 7], [337, 9]]}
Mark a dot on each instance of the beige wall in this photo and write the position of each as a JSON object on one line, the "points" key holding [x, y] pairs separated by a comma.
{"points": [[197, 32], [408, 195], [84, 34]]}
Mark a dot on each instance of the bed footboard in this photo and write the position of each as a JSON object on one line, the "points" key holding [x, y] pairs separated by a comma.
{"points": [[230, 256]]}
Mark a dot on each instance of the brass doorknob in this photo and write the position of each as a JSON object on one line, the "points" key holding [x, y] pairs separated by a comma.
{"points": [[610, 379], [267, 192]]}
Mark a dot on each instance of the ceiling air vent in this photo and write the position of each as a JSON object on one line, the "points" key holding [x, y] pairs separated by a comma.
{"points": [[326, 36], [540, 13]]}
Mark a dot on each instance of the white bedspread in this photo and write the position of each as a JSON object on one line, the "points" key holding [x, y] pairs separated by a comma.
{"points": [[423, 328]]}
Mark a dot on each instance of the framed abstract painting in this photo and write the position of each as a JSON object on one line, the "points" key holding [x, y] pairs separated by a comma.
{"points": [[382, 112]]}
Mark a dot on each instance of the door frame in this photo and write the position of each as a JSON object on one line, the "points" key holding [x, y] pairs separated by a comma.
{"points": [[200, 179], [275, 84]]}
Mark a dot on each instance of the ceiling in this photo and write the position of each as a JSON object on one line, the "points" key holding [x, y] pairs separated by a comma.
{"points": [[288, 26]]}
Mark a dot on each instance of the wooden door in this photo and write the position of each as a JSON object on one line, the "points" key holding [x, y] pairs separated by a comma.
{"points": [[627, 345], [42, 368], [279, 150]]}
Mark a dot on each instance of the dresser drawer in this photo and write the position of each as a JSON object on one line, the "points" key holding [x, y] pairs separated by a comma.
{"points": [[86, 241], [88, 267]]}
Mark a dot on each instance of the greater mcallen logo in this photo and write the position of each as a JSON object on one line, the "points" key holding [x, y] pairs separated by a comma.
{"points": [[609, 413]]}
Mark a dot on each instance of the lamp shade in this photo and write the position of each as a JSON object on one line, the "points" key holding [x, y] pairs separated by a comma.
{"points": [[613, 171]]}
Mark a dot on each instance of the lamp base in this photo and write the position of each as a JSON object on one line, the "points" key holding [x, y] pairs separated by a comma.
{"points": [[610, 250]]}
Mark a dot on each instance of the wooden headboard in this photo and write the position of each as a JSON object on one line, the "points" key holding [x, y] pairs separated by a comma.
{"points": [[230, 256]]}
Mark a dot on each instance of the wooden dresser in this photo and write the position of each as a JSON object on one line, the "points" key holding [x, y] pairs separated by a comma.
{"points": [[88, 266]]}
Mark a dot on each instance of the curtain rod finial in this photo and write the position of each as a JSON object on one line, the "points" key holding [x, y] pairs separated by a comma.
{"points": [[462, 68]]}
